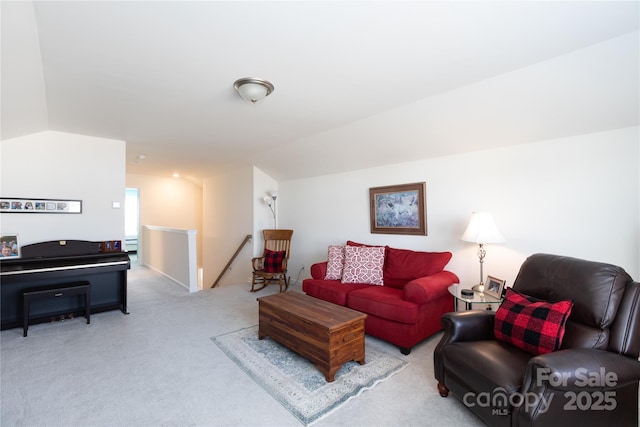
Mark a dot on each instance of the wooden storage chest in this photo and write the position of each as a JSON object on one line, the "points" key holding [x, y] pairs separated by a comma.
{"points": [[326, 334]]}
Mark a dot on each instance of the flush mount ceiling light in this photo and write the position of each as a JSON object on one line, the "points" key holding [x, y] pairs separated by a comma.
{"points": [[252, 89], [139, 158]]}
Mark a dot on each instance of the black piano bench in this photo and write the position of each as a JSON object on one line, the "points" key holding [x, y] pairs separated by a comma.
{"points": [[57, 291]]}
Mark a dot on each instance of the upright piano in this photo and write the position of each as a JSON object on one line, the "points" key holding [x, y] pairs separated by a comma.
{"points": [[56, 263]]}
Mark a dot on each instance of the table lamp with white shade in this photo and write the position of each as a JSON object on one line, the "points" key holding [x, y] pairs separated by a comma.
{"points": [[482, 229]]}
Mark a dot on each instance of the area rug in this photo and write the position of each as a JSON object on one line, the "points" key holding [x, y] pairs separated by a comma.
{"points": [[295, 382]]}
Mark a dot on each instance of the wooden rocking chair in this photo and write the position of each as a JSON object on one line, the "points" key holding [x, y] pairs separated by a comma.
{"points": [[271, 267]]}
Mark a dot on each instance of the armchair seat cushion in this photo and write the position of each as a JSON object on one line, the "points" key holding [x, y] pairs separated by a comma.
{"points": [[474, 364], [386, 303]]}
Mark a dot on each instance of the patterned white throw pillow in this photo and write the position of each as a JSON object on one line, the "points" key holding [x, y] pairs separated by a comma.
{"points": [[335, 263], [363, 265]]}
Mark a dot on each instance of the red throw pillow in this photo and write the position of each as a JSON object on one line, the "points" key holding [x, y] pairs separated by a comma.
{"points": [[272, 262], [531, 324], [403, 266]]}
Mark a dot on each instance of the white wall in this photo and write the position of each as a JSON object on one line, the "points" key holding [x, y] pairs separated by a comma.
{"points": [[263, 185], [577, 196], [233, 208], [169, 202], [228, 207], [60, 165], [172, 252]]}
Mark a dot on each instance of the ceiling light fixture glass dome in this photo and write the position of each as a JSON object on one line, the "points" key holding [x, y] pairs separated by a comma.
{"points": [[253, 89]]}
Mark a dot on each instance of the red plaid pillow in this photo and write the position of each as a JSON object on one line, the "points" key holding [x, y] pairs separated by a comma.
{"points": [[531, 324], [273, 261]]}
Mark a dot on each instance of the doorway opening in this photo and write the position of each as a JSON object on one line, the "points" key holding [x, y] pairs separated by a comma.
{"points": [[131, 219]]}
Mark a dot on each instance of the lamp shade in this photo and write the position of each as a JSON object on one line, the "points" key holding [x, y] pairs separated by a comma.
{"points": [[482, 229], [253, 89]]}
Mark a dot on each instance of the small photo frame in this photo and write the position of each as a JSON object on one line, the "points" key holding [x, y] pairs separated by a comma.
{"points": [[111, 246], [9, 247], [494, 287]]}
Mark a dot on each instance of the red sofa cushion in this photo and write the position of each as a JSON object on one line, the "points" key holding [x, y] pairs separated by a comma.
{"points": [[331, 290], [403, 266], [384, 302]]}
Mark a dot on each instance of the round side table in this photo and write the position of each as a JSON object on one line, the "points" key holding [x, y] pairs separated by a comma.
{"points": [[476, 298]]}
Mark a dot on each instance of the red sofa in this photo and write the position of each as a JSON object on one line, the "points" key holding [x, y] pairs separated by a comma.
{"points": [[403, 310]]}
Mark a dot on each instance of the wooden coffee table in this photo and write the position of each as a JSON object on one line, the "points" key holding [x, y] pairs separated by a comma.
{"points": [[327, 334]]}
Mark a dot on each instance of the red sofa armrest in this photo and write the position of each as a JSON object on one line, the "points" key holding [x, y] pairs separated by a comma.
{"points": [[318, 270], [429, 288]]}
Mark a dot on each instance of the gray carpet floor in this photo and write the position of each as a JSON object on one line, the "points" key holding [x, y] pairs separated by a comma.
{"points": [[157, 366]]}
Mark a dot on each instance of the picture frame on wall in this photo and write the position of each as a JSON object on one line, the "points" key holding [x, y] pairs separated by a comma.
{"points": [[399, 209], [494, 287], [57, 206], [9, 247]]}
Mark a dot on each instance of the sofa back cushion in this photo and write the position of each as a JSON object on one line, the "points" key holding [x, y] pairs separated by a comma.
{"points": [[403, 266], [595, 288], [352, 243]]}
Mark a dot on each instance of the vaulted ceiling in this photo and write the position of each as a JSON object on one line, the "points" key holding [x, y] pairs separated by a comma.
{"points": [[357, 84]]}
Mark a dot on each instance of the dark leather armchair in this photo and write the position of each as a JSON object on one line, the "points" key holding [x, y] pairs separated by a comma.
{"points": [[592, 380]]}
